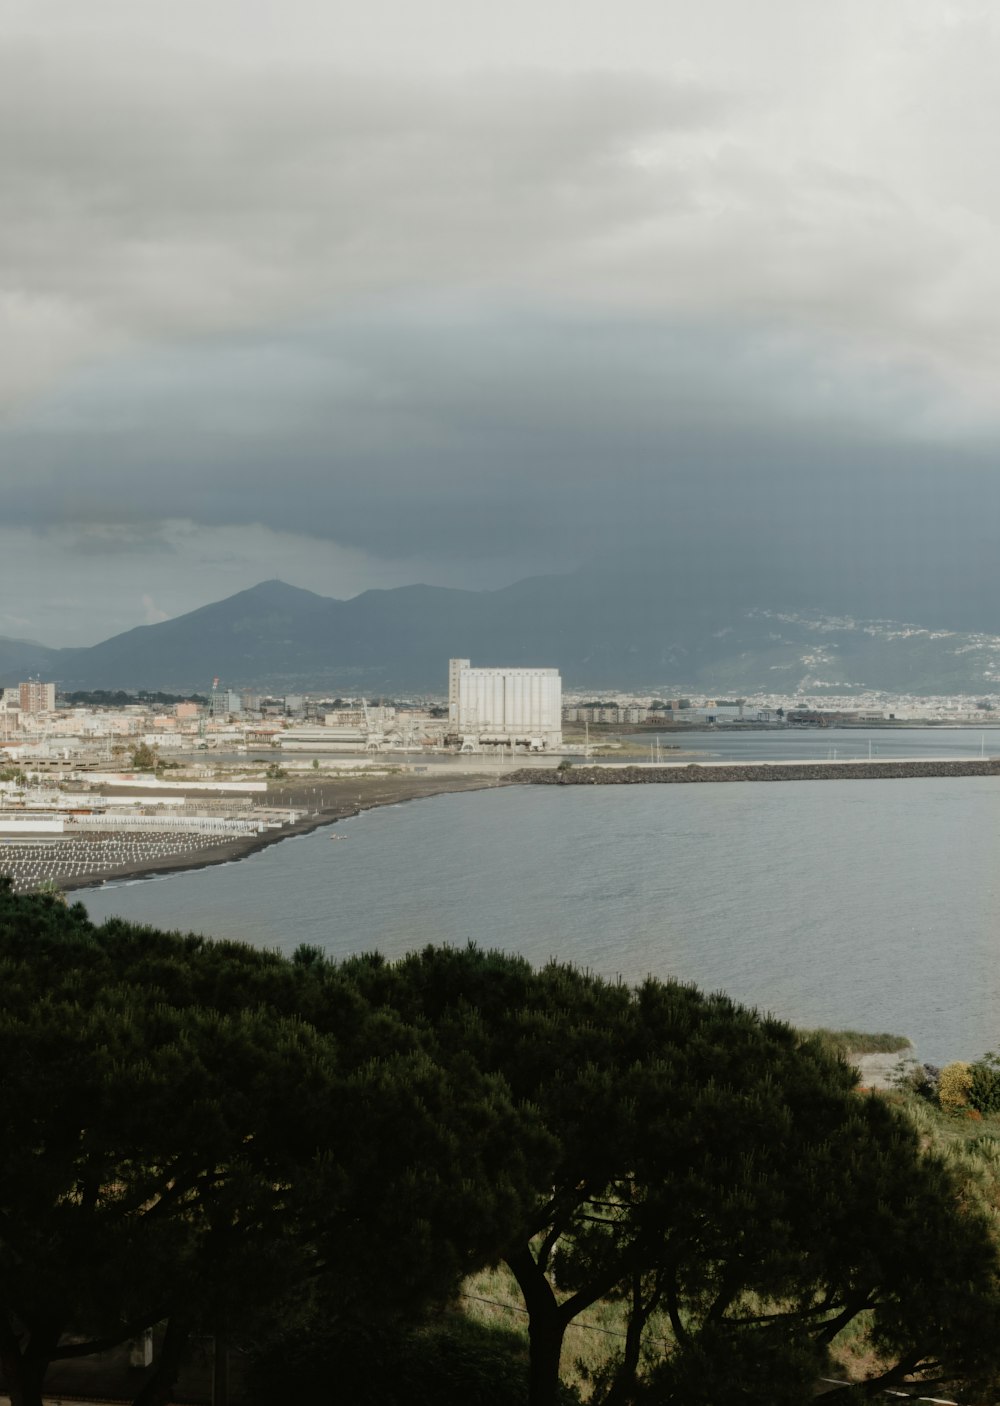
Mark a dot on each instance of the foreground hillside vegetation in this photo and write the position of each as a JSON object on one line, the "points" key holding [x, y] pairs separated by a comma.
{"points": [[313, 1161]]}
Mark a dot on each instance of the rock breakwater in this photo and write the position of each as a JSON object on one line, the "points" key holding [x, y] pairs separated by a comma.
{"points": [[750, 771]]}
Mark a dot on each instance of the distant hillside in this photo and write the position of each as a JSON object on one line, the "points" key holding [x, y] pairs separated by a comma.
{"points": [[24, 657], [603, 631]]}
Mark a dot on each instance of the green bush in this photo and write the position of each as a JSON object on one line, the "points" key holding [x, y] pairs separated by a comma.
{"points": [[144, 757], [742, 1368], [455, 1362], [984, 1087]]}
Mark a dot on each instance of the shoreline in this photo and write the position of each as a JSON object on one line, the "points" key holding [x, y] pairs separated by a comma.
{"points": [[343, 800], [387, 791]]}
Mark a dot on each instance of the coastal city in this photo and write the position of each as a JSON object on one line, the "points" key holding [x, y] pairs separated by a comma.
{"points": [[499, 703], [39, 727], [107, 785]]}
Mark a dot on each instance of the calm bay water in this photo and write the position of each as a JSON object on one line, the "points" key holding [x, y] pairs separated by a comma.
{"points": [[830, 744], [869, 904]]}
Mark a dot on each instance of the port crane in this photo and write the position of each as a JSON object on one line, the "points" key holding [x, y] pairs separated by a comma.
{"points": [[373, 736]]}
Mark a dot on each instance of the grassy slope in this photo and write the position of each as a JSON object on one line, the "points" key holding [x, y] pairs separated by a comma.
{"points": [[858, 1042]]}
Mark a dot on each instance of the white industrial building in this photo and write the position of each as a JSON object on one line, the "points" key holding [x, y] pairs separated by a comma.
{"points": [[513, 707]]}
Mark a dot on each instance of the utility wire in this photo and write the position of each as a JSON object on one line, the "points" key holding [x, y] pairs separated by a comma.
{"points": [[590, 1327]]}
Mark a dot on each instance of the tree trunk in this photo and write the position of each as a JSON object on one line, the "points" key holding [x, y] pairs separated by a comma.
{"points": [[545, 1328], [545, 1339], [24, 1367], [23, 1377], [633, 1351], [626, 1379], [876, 1386], [158, 1389], [220, 1369]]}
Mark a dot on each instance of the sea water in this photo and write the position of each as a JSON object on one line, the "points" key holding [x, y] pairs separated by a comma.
{"points": [[873, 905]]}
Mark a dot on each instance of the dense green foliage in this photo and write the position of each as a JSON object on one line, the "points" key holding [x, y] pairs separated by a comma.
{"points": [[726, 1368], [710, 1164], [454, 1362], [984, 1085], [118, 698], [203, 1133], [309, 1158], [144, 757]]}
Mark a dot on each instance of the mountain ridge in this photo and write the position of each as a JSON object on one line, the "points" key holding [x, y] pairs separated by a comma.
{"points": [[632, 630]]}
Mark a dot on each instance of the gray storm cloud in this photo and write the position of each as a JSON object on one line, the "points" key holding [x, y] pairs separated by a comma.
{"points": [[511, 291], [184, 199], [574, 438], [173, 198]]}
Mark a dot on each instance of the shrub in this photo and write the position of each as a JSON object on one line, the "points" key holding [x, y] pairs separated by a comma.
{"points": [[912, 1078], [452, 1363], [144, 757], [984, 1089], [928, 1081], [857, 1042], [954, 1086], [723, 1368]]}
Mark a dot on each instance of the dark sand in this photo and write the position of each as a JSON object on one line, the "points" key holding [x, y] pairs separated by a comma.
{"points": [[325, 801]]}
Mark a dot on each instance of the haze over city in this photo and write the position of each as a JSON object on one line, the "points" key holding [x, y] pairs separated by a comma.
{"points": [[458, 294]]}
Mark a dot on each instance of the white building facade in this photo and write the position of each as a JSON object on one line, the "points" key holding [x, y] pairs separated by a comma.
{"points": [[515, 707]]}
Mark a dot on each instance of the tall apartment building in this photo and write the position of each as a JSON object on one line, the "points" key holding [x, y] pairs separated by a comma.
{"points": [[513, 706], [37, 697], [223, 702]]}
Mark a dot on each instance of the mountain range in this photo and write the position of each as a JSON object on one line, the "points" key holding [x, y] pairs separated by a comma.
{"points": [[631, 631]]}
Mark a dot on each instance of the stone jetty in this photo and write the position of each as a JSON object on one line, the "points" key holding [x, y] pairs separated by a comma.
{"points": [[612, 775]]}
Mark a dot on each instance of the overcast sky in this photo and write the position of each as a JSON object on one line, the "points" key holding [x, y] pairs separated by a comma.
{"points": [[458, 292]]}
